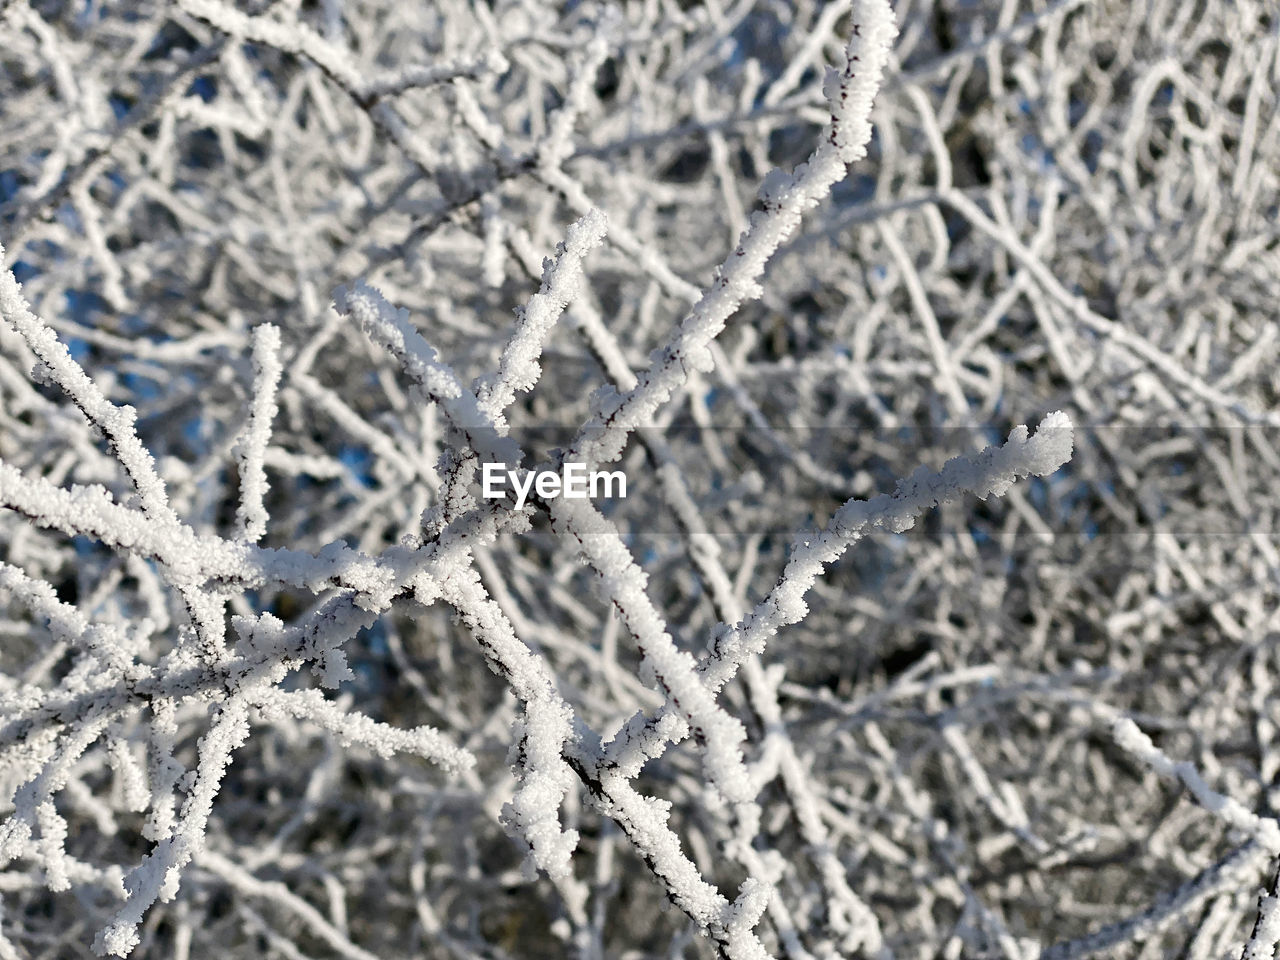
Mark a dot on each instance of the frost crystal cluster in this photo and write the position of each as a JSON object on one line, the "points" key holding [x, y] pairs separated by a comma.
{"points": [[931, 347]]}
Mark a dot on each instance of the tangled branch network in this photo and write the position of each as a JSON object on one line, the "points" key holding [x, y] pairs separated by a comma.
{"points": [[784, 635]]}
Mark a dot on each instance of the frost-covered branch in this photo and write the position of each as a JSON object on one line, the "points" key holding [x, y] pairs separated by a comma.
{"points": [[252, 514], [850, 93]]}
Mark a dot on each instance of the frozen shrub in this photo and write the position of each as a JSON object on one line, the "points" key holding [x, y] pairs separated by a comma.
{"points": [[937, 348]]}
